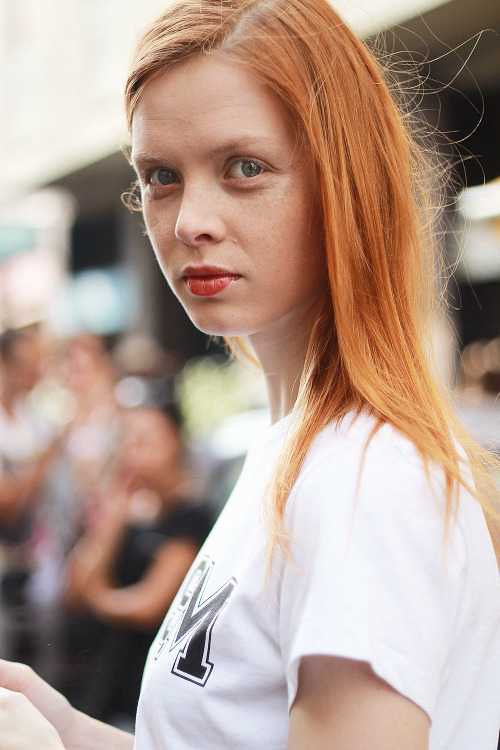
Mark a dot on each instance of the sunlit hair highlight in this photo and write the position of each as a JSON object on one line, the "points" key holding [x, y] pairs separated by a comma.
{"points": [[369, 346]]}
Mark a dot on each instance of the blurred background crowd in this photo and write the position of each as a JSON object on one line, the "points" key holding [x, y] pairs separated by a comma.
{"points": [[106, 497], [104, 504], [122, 428]]}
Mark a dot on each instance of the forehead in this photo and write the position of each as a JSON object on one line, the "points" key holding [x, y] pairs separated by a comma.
{"points": [[207, 99]]}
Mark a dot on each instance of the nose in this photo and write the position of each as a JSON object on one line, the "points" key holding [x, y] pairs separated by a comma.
{"points": [[200, 217]]}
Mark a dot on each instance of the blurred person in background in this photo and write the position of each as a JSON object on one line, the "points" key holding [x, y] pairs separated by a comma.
{"points": [[94, 431], [28, 449], [83, 371], [478, 404], [126, 569]]}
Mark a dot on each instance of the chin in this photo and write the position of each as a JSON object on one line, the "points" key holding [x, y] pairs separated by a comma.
{"points": [[217, 325]]}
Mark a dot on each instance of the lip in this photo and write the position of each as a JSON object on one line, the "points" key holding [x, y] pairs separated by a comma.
{"points": [[207, 281]]}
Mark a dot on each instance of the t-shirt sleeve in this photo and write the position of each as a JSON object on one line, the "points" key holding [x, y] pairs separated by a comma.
{"points": [[372, 577], [193, 523]]}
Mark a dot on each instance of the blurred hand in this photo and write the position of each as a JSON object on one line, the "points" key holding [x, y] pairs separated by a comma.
{"points": [[23, 727], [32, 714]]}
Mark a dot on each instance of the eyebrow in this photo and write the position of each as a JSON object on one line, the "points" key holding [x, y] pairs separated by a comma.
{"points": [[238, 146]]}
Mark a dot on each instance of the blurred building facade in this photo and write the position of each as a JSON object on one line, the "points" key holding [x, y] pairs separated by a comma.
{"points": [[62, 130]]}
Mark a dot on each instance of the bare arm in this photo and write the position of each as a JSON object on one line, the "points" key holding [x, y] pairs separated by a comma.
{"points": [[16, 489], [90, 572], [342, 704], [76, 730], [145, 603], [94, 555]]}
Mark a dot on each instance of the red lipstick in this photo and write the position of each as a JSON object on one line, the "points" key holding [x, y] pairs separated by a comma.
{"points": [[206, 281]]}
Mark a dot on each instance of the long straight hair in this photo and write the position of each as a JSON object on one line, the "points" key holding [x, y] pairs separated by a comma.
{"points": [[369, 346]]}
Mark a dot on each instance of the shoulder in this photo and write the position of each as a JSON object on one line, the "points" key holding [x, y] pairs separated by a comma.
{"points": [[190, 521], [371, 551], [375, 480], [355, 452], [360, 433]]}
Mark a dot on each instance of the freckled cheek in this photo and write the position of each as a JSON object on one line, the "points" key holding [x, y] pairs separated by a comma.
{"points": [[309, 230], [297, 230], [159, 223], [161, 233]]}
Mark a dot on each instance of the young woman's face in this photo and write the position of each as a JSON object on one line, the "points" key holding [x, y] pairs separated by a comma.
{"points": [[151, 446], [229, 201]]}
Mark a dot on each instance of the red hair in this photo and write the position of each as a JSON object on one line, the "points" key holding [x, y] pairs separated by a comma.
{"points": [[368, 348]]}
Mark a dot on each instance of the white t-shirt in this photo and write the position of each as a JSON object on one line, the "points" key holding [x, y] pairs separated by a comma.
{"points": [[372, 579]]}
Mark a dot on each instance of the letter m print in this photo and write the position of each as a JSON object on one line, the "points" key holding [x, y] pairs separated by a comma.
{"points": [[194, 624]]}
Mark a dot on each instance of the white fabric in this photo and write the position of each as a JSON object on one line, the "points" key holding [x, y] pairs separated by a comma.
{"points": [[23, 435], [373, 579]]}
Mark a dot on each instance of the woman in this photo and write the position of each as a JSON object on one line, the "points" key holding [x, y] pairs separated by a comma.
{"points": [[95, 429], [126, 569], [348, 596]]}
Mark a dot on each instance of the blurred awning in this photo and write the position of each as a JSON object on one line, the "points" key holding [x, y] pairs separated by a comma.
{"points": [[480, 249], [33, 254], [480, 202]]}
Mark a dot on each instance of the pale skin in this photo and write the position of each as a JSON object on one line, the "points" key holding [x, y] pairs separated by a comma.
{"points": [[195, 133]]}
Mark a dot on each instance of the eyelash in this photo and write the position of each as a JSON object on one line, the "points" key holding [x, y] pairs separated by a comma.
{"points": [[151, 174]]}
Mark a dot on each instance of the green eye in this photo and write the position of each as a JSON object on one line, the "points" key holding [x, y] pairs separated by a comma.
{"points": [[250, 168], [247, 168], [164, 176]]}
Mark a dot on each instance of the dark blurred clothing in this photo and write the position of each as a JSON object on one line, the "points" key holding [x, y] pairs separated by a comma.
{"points": [[105, 663]]}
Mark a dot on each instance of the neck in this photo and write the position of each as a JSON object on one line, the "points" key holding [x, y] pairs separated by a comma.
{"points": [[282, 359]]}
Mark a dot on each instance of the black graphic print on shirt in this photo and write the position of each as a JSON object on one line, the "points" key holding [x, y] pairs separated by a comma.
{"points": [[189, 625]]}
